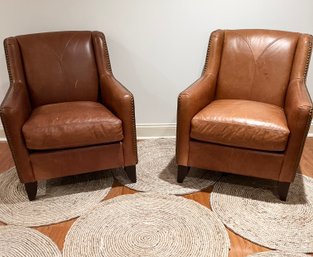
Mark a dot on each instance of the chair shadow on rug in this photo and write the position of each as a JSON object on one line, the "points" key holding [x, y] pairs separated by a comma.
{"points": [[194, 173], [70, 185], [268, 192]]}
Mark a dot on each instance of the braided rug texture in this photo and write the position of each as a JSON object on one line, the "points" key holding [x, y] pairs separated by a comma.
{"points": [[157, 170], [278, 254], [20, 242], [251, 208], [57, 199], [147, 224]]}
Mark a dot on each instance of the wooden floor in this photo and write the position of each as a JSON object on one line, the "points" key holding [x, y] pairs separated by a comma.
{"points": [[239, 247]]}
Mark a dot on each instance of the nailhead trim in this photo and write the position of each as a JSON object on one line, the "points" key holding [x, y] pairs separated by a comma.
{"points": [[134, 126], [9, 60], [107, 58], [308, 122], [308, 58], [2, 110], [178, 123], [5, 44], [208, 53], [106, 53]]}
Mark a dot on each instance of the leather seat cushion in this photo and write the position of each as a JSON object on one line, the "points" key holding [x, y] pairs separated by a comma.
{"points": [[71, 124], [242, 123]]}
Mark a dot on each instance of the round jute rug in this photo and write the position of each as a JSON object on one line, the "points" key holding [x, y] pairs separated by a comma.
{"points": [[20, 242], [147, 224], [278, 254], [157, 170], [250, 208], [57, 199]]}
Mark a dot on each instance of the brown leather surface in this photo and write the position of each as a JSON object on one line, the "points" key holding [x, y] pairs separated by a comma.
{"points": [[117, 98], [121, 102], [53, 164], [261, 65], [299, 115], [213, 57], [101, 52], [242, 123], [191, 101], [235, 160], [256, 65], [59, 67], [71, 124], [15, 110], [64, 67], [302, 57], [14, 61], [298, 108]]}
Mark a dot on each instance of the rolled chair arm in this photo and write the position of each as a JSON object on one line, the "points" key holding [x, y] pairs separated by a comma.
{"points": [[121, 102], [15, 110], [190, 102], [298, 109]]}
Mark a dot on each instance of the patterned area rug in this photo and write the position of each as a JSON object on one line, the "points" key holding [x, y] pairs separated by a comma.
{"points": [[20, 242], [147, 224], [157, 171], [57, 200], [250, 208]]}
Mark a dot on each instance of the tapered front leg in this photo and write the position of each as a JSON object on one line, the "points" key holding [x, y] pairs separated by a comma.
{"points": [[182, 172], [31, 190], [131, 173], [283, 188]]}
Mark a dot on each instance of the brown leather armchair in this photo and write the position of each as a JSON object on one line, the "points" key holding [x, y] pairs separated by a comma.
{"points": [[64, 112], [250, 111]]}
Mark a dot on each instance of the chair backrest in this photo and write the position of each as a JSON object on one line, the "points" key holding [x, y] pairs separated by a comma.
{"points": [[57, 66], [256, 65]]}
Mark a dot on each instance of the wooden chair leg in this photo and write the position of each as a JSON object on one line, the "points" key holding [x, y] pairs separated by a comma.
{"points": [[182, 172], [283, 188], [131, 173], [31, 190]]}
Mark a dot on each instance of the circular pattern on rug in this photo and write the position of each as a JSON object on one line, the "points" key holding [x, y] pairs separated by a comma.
{"points": [[157, 170], [251, 208], [20, 242], [278, 254], [147, 224], [57, 199]]}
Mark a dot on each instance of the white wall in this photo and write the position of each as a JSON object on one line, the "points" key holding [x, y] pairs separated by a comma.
{"points": [[158, 47]]}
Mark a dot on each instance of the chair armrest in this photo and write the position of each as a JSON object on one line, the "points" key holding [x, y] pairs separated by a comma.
{"points": [[15, 110], [190, 102], [121, 102], [298, 109]]}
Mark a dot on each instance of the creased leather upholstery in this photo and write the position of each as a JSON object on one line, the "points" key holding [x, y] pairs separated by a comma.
{"points": [[242, 123], [256, 65], [250, 111], [60, 112], [70, 60], [71, 124]]}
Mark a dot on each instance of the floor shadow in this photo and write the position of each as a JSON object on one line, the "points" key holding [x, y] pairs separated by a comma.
{"points": [[73, 184], [169, 174], [296, 194]]}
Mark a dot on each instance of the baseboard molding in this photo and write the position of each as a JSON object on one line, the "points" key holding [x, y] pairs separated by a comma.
{"points": [[144, 130], [156, 130]]}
